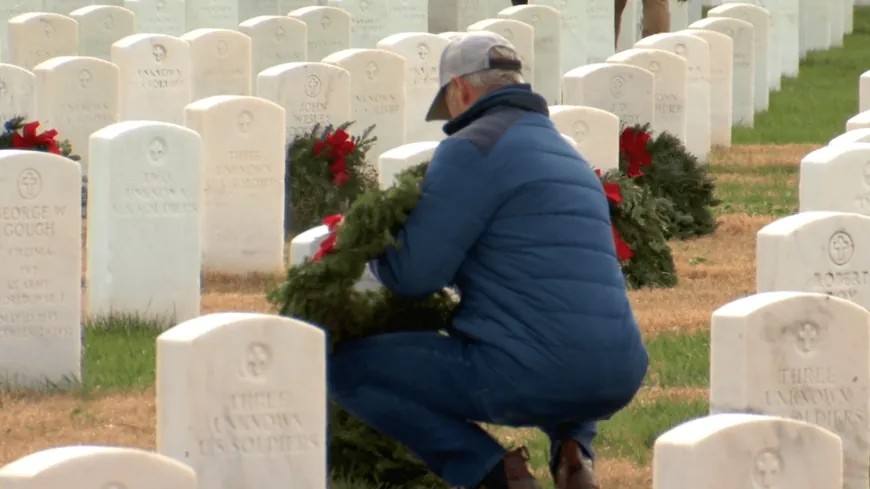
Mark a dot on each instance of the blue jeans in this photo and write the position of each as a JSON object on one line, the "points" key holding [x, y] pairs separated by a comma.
{"points": [[425, 390]]}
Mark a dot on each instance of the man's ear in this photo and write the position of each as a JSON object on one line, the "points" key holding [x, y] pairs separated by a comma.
{"points": [[466, 92]]}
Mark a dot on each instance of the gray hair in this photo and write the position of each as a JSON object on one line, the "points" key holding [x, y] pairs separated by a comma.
{"points": [[494, 79], [490, 80]]}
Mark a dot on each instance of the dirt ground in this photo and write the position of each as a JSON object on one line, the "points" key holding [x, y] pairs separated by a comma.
{"points": [[713, 271]]}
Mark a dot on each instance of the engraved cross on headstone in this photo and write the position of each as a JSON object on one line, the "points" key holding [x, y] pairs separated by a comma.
{"points": [[313, 85], [807, 335], [371, 71], [841, 247], [29, 182], [768, 469], [258, 360]]}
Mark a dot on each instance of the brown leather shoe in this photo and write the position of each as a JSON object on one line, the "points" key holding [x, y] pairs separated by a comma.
{"points": [[517, 470], [574, 471]]}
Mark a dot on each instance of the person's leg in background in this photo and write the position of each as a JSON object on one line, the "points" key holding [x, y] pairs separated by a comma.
{"points": [[422, 389], [656, 17], [619, 7]]}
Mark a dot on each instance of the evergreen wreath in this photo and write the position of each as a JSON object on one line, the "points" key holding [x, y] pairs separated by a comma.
{"points": [[322, 291], [326, 171], [20, 135], [636, 215], [664, 166]]}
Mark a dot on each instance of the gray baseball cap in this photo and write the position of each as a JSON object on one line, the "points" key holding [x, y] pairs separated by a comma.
{"points": [[467, 53]]}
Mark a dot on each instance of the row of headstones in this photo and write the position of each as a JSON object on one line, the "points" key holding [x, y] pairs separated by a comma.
{"points": [[241, 402], [585, 23], [159, 75], [153, 77], [822, 23], [165, 203]]}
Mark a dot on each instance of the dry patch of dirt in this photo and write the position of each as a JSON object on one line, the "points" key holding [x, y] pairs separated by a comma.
{"points": [[677, 394], [32, 423], [713, 271], [753, 155], [755, 180], [623, 474]]}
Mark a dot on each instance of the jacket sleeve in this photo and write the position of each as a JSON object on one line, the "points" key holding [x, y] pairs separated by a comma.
{"points": [[455, 204]]}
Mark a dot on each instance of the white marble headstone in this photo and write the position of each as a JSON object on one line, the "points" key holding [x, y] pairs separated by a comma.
{"points": [[242, 400], [864, 91], [324, 97], [377, 86], [156, 78], [697, 54], [575, 49], [399, 159], [275, 40], [600, 33], [743, 77], [816, 252], [220, 62], [100, 26], [328, 30], [595, 133], [856, 136], [212, 14], [836, 178], [422, 54], [17, 93], [77, 96], [767, 71], [41, 251], [721, 83], [624, 90], [457, 15], [671, 75], [132, 207], [87, 466], [37, 37], [762, 451], [159, 16], [546, 23], [243, 169]]}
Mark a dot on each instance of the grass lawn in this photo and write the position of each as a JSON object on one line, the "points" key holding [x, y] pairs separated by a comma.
{"points": [[757, 181]]}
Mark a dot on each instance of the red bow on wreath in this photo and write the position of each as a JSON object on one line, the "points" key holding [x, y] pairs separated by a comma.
{"points": [[339, 145], [328, 244], [614, 196], [29, 139], [632, 144]]}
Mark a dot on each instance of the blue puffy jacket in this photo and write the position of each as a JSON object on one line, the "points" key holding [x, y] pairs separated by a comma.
{"points": [[517, 220]]}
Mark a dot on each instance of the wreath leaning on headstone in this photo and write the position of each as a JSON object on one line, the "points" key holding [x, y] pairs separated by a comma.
{"points": [[326, 171], [26, 136], [663, 165]]}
